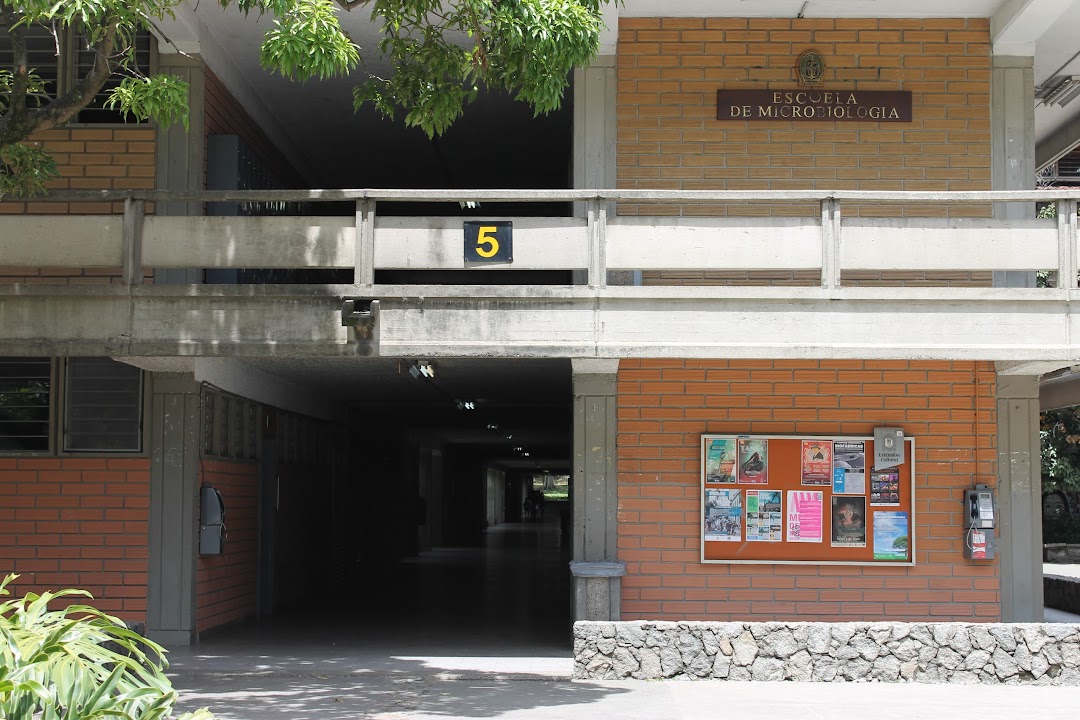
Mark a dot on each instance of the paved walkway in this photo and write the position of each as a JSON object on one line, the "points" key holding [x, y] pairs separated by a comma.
{"points": [[484, 633]]}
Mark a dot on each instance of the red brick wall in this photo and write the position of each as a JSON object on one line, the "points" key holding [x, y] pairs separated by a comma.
{"points": [[226, 584], [665, 405], [78, 522]]}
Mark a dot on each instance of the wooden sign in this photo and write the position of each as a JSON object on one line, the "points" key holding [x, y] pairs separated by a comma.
{"points": [[815, 104]]}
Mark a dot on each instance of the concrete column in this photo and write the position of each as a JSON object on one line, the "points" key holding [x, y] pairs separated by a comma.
{"points": [[174, 512], [596, 568], [180, 154], [1012, 136], [1019, 495], [594, 124], [595, 89]]}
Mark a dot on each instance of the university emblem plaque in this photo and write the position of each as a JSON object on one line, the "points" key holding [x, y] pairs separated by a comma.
{"points": [[811, 67]]}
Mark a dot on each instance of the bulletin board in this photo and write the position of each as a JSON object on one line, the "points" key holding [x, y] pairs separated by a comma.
{"points": [[805, 500]]}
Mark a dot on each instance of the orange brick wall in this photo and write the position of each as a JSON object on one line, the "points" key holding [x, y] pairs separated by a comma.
{"points": [[226, 584], [78, 522], [669, 70], [88, 158], [663, 408]]}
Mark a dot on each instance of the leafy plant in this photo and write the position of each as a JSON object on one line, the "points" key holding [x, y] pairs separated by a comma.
{"points": [[78, 663], [436, 54]]}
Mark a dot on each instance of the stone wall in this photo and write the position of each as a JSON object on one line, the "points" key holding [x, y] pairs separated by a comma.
{"points": [[993, 653]]}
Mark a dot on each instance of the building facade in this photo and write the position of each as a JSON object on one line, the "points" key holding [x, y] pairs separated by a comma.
{"points": [[693, 271]]}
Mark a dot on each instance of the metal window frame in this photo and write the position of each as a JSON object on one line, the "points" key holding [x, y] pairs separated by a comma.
{"points": [[64, 387], [52, 425]]}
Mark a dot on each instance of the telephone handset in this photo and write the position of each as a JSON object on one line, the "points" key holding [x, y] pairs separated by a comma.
{"points": [[979, 522]]}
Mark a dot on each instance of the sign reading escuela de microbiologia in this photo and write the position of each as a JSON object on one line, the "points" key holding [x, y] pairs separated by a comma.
{"points": [[805, 104]]}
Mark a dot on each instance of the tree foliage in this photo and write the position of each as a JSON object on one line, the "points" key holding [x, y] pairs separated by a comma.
{"points": [[442, 52], [78, 664]]}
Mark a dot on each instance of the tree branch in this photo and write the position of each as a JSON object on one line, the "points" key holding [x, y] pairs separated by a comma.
{"points": [[20, 67], [65, 106]]}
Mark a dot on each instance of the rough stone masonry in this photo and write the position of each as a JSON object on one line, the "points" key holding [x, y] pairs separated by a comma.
{"points": [[992, 653]]}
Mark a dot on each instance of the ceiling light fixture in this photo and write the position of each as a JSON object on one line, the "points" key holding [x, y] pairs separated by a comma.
{"points": [[1064, 93], [426, 368], [466, 405]]}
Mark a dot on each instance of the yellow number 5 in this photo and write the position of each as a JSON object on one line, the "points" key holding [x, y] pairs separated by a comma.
{"points": [[485, 237]]}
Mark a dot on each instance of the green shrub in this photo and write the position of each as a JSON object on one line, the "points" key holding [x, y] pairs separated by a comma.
{"points": [[78, 664]]}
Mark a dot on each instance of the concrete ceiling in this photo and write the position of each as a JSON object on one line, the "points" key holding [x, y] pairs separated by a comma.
{"points": [[498, 143], [527, 399]]}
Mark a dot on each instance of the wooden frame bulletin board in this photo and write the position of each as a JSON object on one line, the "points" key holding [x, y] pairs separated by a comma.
{"points": [[785, 499]]}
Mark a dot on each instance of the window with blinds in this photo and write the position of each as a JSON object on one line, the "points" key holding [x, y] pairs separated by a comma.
{"points": [[95, 111], [103, 406], [42, 54], [41, 51], [25, 384]]}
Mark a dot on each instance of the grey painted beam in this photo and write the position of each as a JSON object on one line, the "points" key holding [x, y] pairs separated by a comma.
{"points": [[1019, 499], [174, 475]]}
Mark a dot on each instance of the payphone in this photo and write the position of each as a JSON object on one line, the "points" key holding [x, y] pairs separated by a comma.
{"points": [[979, 523], [211, 522]]}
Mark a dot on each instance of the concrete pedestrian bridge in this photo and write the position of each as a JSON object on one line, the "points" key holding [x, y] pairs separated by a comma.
{"points": [[792, 254]]}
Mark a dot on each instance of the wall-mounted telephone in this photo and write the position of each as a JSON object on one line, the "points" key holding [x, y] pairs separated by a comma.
{"points": [[211, 522], [980, 520]]}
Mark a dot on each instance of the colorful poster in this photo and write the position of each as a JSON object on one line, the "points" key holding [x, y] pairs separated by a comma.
{"points": [[848, 521], [723, 515], [816, 462], [890, 535], [764, 516], [720, 457], [885, 487], [805, 516], [849, 467], [753, 461]]}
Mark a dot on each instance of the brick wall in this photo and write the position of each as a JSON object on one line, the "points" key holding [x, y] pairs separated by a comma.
{"points": [[664, 406], [226, 584], [88, 158], [78, 522], [669, 70]]}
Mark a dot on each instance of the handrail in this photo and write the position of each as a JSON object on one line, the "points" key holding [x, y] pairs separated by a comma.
{"points": [[613, 195]]}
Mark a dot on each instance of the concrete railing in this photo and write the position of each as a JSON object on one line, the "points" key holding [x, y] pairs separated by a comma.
{"points": [[595, 243]]}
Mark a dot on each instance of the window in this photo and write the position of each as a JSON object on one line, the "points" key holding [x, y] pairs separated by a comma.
{"points": [[25, 385], [60, 70], [104, 406]]}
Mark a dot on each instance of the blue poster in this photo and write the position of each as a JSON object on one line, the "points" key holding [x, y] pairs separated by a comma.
{"points": [[890, 535]]}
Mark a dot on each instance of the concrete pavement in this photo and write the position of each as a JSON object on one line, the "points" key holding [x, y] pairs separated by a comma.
{"points": [[516, 697], [485, 634]]}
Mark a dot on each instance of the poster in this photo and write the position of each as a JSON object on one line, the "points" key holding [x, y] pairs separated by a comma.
{"points": [[848, 521], [753, 462], [885, 487], [805, 516], [849, 467], [890, 535], [720, 456], [723, 515], [816, 462], [764, 516]]}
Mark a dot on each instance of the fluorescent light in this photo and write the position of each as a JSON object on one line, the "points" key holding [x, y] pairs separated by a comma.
{"points": [[427, 369], [1064, 93]]}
